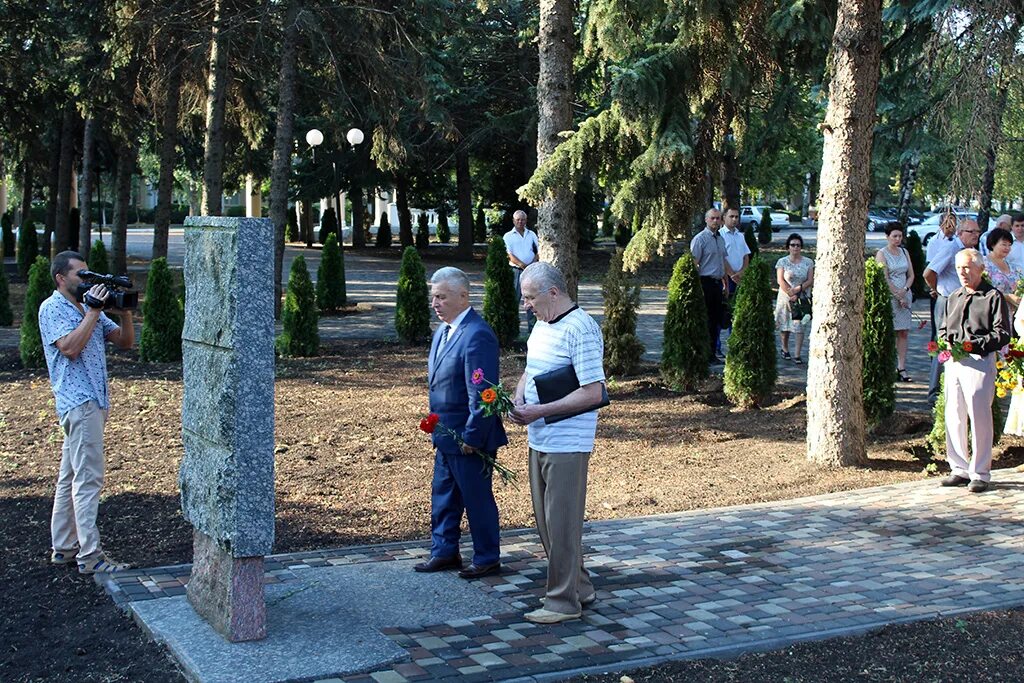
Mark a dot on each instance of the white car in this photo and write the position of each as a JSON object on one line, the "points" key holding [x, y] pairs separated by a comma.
{"points": [[752, 214], [929, 226]]}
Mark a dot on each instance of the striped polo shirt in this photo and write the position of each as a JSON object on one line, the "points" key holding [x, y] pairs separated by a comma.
{"points": [[573, 339]]}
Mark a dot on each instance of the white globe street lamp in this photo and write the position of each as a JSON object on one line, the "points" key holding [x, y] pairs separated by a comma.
{"points": [[354, 136], [314, 138]]}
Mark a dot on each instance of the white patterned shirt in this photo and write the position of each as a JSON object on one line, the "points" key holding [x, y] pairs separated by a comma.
{"points": [[573, 339], [83, 379]]}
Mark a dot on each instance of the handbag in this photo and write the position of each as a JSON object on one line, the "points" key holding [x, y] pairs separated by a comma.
{"points": [[559, 383], [801, 308]]}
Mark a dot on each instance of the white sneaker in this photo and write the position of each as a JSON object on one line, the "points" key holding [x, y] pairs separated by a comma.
{"points": [[101, 564], [546, 616]]}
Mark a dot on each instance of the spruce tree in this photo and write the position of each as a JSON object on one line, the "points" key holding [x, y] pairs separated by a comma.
{"points": [[422, 231], [444, 231], [916, 252], [7, 230], [328, 224], [40, 287], [299, 336], [607, 223], [750, 370], [501, 309], [480, 225], [384, 231], [879, 371], [98, 262], [330, 277], [162, 321], [750, 237], [6, 314], [764, 228], [622, 348], [74, 219], [684, 358], [623, 234], [28, 246], [412, 312]]}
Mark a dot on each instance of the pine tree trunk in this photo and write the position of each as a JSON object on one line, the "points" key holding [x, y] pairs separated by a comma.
{"points": [[122, 198], [729, 170], [306, 221], [27, 180], [282, 163], [85, 190], [168, 157], [355, 194], [556, 216], [52, 184], [464, 192], [216, 95], [988, 179], [62, 227], [908, 179], [404, 216], [835, 410]]}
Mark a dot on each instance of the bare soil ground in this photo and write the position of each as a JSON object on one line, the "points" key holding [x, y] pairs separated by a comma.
{"points": [[352, 468]]}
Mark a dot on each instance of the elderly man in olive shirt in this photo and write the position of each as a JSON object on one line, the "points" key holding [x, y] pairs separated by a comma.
{"points": [[975, 313]]}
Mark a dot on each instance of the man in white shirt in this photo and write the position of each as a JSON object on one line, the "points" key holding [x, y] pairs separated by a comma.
{"points": [[1017, 250], [737, 258], [943, 280], [522, 247]]}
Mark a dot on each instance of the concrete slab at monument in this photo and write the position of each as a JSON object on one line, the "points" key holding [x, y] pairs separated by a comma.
{"points": [[227, 415], [325, 625]]}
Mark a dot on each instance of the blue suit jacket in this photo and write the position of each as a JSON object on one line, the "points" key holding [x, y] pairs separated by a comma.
{"points": [[453, 396]]}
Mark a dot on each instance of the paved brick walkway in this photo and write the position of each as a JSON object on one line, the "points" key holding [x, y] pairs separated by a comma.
{"points": [[709, 582]]}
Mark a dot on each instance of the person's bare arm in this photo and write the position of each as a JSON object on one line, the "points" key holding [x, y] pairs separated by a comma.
{"points": [[73, 343], [124, 336], [585, 397]]}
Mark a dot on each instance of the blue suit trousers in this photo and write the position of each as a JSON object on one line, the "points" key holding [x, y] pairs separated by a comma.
{"points": [[460, 484]]}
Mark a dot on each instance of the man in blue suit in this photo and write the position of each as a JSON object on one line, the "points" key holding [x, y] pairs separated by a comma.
{"points": [[463, 344]]}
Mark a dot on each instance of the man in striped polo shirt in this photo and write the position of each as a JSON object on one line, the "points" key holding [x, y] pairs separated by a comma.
{"points": [[560, 452]]}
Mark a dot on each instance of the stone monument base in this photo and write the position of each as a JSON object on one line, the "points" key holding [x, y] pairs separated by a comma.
{"points": [[227, 591]]}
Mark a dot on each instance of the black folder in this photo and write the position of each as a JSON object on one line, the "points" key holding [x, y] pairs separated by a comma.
{"points": [[559, 383]]}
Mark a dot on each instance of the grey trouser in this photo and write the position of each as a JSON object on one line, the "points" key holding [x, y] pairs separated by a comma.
{"points": [[970, 388], [77, 498], [558, 485]]}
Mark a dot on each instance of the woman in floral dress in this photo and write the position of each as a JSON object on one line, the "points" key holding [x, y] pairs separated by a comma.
{"points": [[795, 276], [899, 275]]}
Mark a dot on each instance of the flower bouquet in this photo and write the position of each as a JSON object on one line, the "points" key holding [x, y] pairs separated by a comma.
{"points": [[1009, 367], [433, 422], [950, 350], [495, 399]]}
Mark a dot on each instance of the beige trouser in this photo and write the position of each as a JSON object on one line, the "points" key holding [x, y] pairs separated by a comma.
{"points": [[77, 499], [558, 485], [970, 387]]}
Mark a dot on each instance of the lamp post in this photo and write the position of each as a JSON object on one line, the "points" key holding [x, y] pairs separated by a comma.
{"points": [[314, 138]]}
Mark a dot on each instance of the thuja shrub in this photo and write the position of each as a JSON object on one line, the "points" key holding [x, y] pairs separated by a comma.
{"points": [[162, 321], [98, 261], [6, 314], [879, 369], [412, 312], [299, 317], [40, 286], [384, 231], [28, 247], [622, 348], [684, 359], [328, 224], [764, 228], [422, 231], [750, 370], [7, 229], [444, 231], [330, 277], [501, 309], [916, 252], [750, 237], [480, 225]]}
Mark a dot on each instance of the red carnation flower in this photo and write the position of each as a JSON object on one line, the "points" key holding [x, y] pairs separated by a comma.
{"points": [[968, 346], [933, 347]]}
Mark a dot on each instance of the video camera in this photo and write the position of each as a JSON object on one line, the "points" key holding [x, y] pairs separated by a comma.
{"points": [[115, 284]]}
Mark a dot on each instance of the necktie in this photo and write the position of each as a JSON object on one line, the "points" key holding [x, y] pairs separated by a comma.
{"points": [[444, 340]]}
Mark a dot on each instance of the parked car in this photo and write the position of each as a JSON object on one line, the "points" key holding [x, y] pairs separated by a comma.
{"points": [[752, 214], [929, 226]]}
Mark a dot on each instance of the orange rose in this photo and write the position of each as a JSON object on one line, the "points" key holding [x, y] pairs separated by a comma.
{"points": [[968, 346], [488, 395]]}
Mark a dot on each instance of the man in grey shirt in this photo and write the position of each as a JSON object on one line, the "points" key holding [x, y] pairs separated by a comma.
{"points": [[709, 251]]}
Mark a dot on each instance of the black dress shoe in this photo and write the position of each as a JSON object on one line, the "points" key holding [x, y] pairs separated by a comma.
{"points": [[977, 486], [475, 571], [439, 564], [955, 480]]}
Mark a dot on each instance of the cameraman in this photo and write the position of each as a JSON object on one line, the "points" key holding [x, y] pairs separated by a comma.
{"points": [[73, 336]]}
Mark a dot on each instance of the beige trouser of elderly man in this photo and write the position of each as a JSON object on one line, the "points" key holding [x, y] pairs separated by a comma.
{"points": [[970, 388]]}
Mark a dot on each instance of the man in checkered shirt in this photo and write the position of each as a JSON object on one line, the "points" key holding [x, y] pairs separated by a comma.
{"points": [[74, 337]]}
